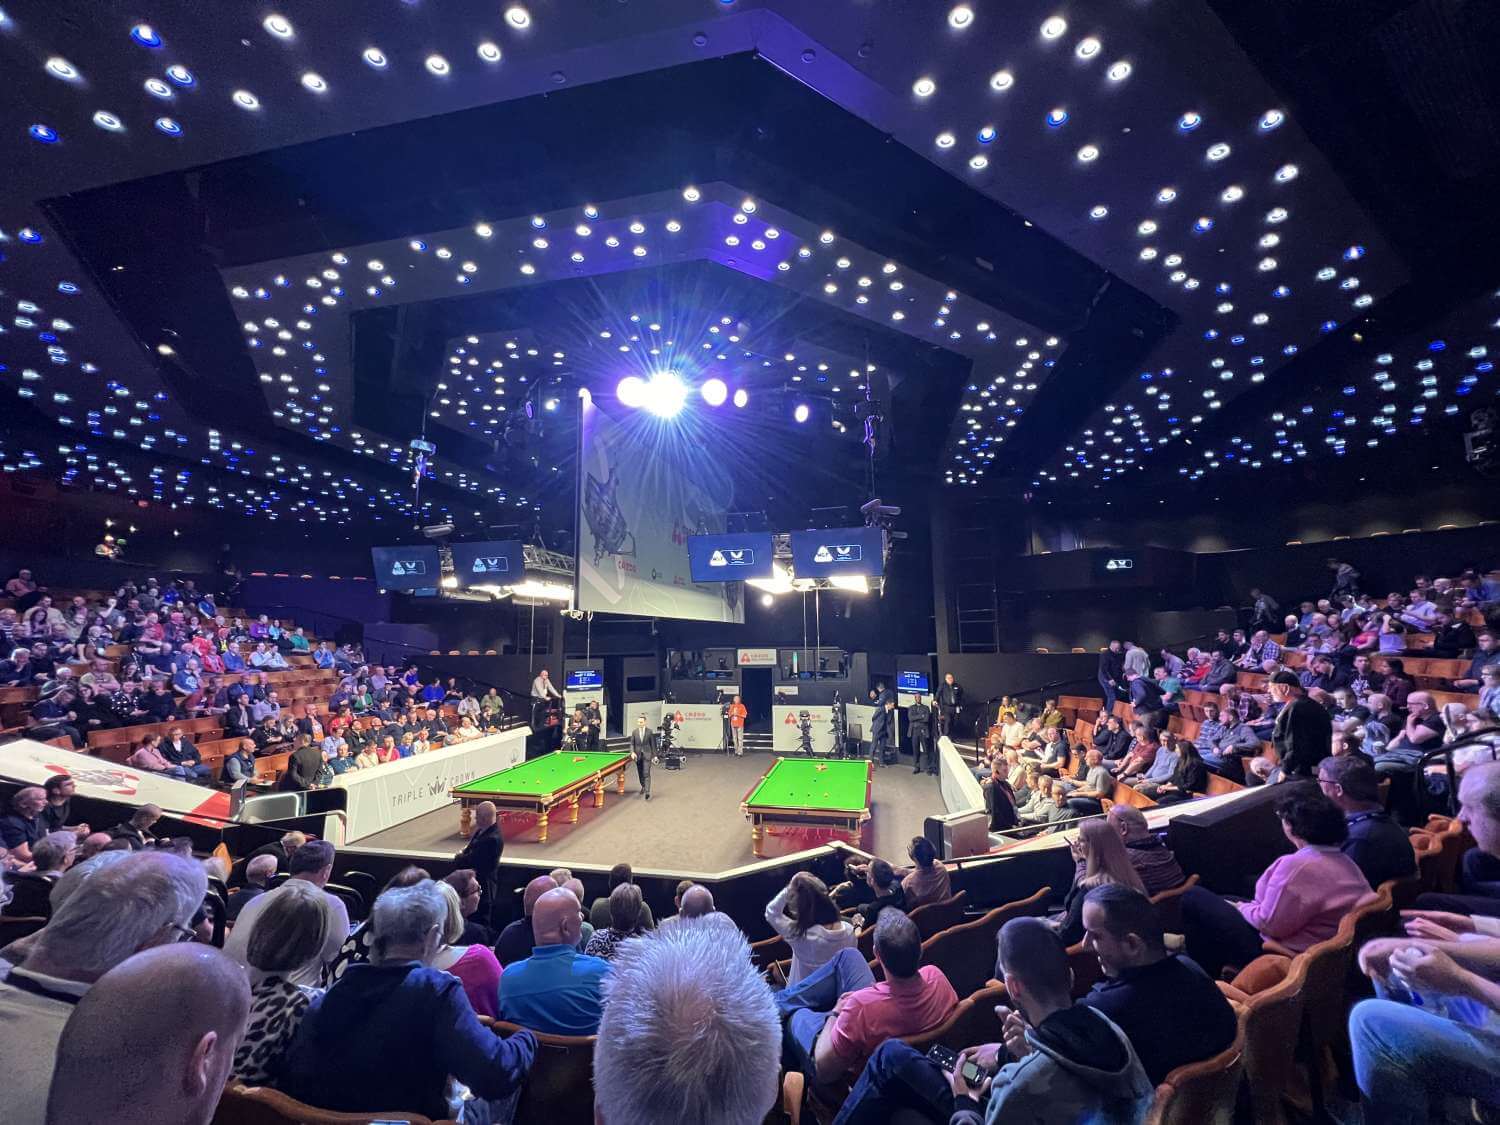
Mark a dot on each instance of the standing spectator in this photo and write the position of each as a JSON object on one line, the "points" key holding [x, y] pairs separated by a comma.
{"points": [[107, 1071], [386, 1000], [1303, 734], [482, 853], [804, 914], [1111, 674], [690, 992]]}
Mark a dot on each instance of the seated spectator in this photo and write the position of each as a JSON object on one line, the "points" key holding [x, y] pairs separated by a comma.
{"points": [[24, 825], [1141, 755], [288, 943], [465, 881], [1189, 776], [1153, 860], [474, 965], [1486, 655], [1170, 1010], [1099, 857], [697, 902], [1299, 900], [330, 1063], [555, 989], [1111, 737], [311, 863], [1479, 870], [599, 908], [1422, 731], [689, 993], [180, 751], [804, 914], [53, 854], [258, 872], [136, 831], [838, 1015], [1042, 807], [873, 887], [1376, 843], [1060, 1061], [118, 905], [107, 1071], [239, 764], [624, 922], [927, 879], [60, 789], [1159, 771], [519, 937], [1087, 799]]}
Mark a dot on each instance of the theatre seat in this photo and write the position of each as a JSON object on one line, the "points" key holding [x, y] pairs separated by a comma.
{"points": [[936, 917], [1168, 904], [260, 1105], [966, 953], [1201, 1093], [560, 1085], [1269, 1022]]}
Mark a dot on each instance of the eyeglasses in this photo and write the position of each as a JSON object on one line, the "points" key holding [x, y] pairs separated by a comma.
{"points": [[183, 932]]}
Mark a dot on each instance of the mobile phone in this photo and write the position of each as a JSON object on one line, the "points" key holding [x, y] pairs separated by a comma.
{"points": [[974, 1074], [946, 1057]]}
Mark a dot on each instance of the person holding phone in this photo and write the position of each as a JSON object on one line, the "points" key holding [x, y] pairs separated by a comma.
{"points": [[1057, 1061]]}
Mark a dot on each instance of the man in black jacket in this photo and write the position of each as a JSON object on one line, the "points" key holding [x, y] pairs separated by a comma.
{"points": [[919, 715], [302, 767], [1376, 843], [642, 749], [482, 853], [1111, 674], [950, 700], [1303, 734]]}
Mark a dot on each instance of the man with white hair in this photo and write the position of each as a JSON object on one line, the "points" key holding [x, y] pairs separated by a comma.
{"points": [[688, 992], [107, 1071], [122, 907], [54, 854], [258, 874], [398, 998]]}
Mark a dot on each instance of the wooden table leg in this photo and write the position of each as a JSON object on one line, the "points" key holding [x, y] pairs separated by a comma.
{"points": [[757, 834], [599, 792], [622, 781], [573, 809], [465, 819], [541, 824]]}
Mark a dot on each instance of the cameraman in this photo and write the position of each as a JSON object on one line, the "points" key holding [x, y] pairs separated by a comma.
{"points": [[737, 715]]}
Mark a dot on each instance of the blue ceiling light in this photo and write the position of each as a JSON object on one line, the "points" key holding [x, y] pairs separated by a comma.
{"points": [[66, 287], [169, 127], [146, 35], [1057, 118], [1203, 225], [1328, 326], [26, 234], [44, 133], [1437, 346], [986, 135], [1281, 291], [1189, 121], [181, 75], [1354, 253]]}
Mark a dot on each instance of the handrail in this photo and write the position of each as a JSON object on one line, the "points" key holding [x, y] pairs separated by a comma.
{"points": [[1488, 737]]}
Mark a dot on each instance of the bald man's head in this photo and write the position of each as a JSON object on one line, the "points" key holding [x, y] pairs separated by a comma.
{"points": [[697, 901], [484, 814], [260, 869], [106, 1070], [535, 890], [557, 919]]}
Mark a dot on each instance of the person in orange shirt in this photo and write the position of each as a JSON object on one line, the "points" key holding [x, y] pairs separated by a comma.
{"points": [[737, 716]]}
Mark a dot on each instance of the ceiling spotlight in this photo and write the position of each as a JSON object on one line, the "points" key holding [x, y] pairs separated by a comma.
{"points": [[924, 87], [1218, 152], [1088, 154], [767, 600], [691, 194], [488, 51], [1054, 28], [484, 230], [245, 99], [1098, 212], [741, 398], [961, 16], [375, 57], [517, 16], [1002, 80], [800, 414], [631, 391], [1270, 120], [1057, 117], [314, 82], [714, 392], [1286, 173], [1119, 71], [169, 126], [437, 64], [1232, 194], [1189, 121], [61, 68], [979, 162], [157, 88], [1087, 48], [278, 26], [945, 140], [986, 135], [666, 394], [145, 35], [44, 133], [180, 74]]}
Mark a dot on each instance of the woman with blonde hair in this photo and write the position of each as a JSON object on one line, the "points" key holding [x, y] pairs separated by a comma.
{"points": [[475, 965], [1101, 858], [288, 937]]}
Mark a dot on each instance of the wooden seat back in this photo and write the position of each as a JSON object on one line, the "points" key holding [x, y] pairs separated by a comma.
{"points": [[560, 1084], [261, 1105], [966, 953]]}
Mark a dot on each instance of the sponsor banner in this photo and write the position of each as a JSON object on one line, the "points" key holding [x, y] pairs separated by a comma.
{"points": [[390, 794], [786, 736], [699, 726], [757, 658]]}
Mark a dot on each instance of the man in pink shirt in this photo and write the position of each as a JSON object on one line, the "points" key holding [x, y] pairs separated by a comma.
{"points": [[837, 1015], [1299, 900]]}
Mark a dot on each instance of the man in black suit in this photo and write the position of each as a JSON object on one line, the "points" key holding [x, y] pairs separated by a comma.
{"points": [[482, 853], [880, 731], [950, 700], [595, 720], [919, 715], [302, 767], [642, 748]]}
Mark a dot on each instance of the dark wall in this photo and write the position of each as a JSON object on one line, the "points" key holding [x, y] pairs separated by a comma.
{"points": [[983, 675]]}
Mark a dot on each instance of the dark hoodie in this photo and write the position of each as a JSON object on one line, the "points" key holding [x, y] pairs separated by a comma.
{"points": [[1081, 1068]]}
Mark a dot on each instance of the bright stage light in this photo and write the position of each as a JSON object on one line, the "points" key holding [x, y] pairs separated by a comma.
{"points": [[631, 391], [714, 392], [741, 397], [666, 394], [767, 600], [801, 413]]}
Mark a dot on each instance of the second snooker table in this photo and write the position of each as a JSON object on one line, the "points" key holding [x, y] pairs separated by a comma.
{"points": [[810, 793], [542, 784]]}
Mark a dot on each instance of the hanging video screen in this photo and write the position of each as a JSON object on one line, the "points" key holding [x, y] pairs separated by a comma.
{"points": [[406, 568], [730, 556], [841, 552]]}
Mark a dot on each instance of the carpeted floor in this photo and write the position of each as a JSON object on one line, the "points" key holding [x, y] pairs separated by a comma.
{"points": [[692, 824]]}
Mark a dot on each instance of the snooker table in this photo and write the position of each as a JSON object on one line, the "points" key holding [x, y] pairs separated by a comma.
{"points": [[810, 793], [542, 784]]}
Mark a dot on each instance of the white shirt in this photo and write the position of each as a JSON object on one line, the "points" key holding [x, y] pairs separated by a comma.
{"points": [[543, 689], [812, 949], [237, 944]]}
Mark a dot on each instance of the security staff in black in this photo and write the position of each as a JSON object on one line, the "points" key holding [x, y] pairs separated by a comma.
{"points": [[881, 732], [950, 699], [642, 749], [919, 716]]}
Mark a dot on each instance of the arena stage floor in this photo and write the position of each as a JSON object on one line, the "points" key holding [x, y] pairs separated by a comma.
{"points": [[692, 824]]}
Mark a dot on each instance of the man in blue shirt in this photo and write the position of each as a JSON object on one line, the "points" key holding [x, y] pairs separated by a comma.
{"points": [[555, 990]]}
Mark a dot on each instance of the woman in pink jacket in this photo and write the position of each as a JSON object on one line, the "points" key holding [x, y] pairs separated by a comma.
{"points": [[1299, 900]]}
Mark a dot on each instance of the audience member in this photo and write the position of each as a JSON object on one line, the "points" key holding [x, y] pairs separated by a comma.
{"points": [[1303, 732], [466, 883], [482, 853], [60, 789], [311, 863], [136, 832], [555, 990], [599, 908], [1376, 843], [258, 872], [24, 825], [625, 922], [688, 993], [518, 938], [927, 881], [804, 914], [1152, 859], [1100, 857], [474, 965], [398, 998], [288, 944], [107, 1070]]}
